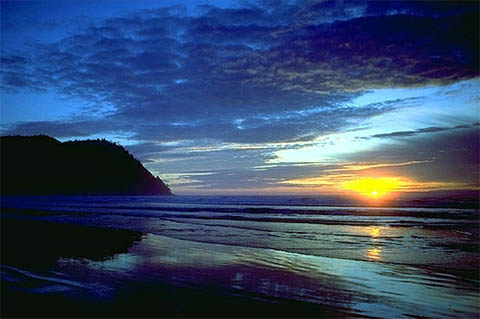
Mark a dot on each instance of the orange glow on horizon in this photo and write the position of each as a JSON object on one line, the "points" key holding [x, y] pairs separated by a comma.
{"points": [[373, 187], [378, 190]]}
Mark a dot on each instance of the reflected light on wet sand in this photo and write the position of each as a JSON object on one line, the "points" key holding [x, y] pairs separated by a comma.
{"points": [[374, 253]]}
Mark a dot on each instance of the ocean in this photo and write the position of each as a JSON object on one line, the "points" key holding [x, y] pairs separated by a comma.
{"points": [[258, 256]]}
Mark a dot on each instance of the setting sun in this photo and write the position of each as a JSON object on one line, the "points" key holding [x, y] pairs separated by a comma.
{"points": [[373, 187]]}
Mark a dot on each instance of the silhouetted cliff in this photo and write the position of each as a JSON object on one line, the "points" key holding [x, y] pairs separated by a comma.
{"points": [[42, 165]]}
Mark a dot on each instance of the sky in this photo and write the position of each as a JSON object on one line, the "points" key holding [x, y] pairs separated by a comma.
{"points": [[255, 97]]}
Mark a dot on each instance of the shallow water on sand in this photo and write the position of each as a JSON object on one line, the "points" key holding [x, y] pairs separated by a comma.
{"points": [[346, 261]]}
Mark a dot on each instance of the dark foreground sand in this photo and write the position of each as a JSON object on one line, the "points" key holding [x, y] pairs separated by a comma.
{"points": [[33, 247]]}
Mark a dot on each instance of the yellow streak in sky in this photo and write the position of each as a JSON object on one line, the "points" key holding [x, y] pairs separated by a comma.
{"points": [[370, 187]]}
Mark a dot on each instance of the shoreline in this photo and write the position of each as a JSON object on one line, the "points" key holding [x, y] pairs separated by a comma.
{"points": [[77, 220]]}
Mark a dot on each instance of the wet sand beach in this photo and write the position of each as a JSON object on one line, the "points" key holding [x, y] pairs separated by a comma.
{"points": [[31, 249]]}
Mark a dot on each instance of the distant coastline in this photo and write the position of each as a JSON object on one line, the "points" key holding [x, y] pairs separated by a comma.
{"points": [[42, 165]]}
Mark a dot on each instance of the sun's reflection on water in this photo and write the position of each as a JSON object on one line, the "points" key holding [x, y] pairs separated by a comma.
{"points": [[374, 254], [374, 231]]}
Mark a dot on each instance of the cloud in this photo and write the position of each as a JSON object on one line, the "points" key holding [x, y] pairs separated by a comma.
{"points": [[431, 129], [62, 129], [451, 156], [444, 160], [252, 64], [421, 8]]}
